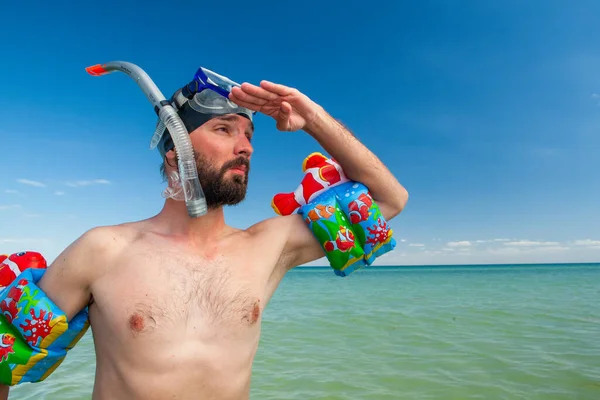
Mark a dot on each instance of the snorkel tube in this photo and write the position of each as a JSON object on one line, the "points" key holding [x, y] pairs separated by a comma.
{"points": [[188, 174]]}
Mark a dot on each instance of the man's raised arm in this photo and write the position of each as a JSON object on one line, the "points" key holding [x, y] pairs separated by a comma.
{"points": [[293, 111], [360, 165]]}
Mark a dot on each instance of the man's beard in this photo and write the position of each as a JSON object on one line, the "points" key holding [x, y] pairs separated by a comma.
{"points": [[218, 189]]}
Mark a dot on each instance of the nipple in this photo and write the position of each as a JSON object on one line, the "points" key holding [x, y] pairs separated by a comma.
{"points": [[255, 312], [136, 323]]}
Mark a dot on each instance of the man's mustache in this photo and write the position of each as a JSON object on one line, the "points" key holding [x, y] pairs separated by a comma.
{"points": [[238, 162]]}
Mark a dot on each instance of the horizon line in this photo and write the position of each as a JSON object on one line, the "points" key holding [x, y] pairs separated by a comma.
{"points": [[462, 265]]}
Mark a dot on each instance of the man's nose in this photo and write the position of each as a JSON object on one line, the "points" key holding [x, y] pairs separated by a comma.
{"points": [[243, 146]]}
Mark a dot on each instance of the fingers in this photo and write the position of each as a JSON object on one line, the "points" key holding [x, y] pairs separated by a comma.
{"points": [[281, 90], [243, 99], [258, 92], [245, 104], [286, 109], [270, 99], [285, 114]]}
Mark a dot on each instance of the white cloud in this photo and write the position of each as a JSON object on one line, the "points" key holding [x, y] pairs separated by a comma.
{"points": [[432, 252], [31, 183], [416, 245], [540, 250], [463, 243], [529, 243], [59, 193], [9, 206], [23, 240], [88, 183], [587, 242], [492, 240], [556, 248], [33, 215], [11, 191]]}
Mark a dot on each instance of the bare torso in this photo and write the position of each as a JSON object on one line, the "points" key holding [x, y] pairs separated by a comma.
{"points": [[174, 322]]}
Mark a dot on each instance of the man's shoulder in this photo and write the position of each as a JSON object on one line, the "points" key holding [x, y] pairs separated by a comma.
{"points": [[106, 240], [89, 254]]}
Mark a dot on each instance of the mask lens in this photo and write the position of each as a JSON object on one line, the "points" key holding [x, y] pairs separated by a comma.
{"points": [[208, 101]]}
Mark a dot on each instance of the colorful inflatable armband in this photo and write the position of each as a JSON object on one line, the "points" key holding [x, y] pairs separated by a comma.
{"points": [[340, 213], [35, 335], [12, 266]]}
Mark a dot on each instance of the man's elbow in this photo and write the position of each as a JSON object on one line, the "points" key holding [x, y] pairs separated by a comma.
{"points": [[403, 199], [395, 204]]}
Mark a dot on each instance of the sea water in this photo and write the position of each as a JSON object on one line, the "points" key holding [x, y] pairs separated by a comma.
{"points": [[453, 332]]}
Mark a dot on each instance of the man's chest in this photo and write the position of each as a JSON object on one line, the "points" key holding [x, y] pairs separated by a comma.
{"points": [[157, 295]]}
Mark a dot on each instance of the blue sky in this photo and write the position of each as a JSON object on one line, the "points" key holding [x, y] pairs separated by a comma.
{"points": [[488, 113]]}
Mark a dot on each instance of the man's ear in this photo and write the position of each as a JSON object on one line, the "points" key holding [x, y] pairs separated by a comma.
{"points": [[171, 158]]}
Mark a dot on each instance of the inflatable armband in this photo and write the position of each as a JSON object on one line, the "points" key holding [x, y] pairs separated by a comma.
{"points": [[12, 266], [340, 213], [35, 335]]}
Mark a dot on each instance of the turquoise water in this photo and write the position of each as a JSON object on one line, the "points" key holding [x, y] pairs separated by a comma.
{"points": [[511, 332]]}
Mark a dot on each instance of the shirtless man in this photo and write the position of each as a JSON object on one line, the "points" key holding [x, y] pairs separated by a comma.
{"points": [[176, 303]]}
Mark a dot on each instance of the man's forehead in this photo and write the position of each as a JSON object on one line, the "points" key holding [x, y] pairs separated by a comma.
{"points": [[234, 118]]}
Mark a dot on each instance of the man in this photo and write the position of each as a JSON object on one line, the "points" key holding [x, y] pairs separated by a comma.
{"points": [[176, 303]]}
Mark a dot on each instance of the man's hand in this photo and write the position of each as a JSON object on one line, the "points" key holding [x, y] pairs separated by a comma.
{"points": [[291, 109]]}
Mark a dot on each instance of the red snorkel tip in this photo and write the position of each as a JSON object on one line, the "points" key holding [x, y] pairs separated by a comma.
{"points": [[96, 70]]}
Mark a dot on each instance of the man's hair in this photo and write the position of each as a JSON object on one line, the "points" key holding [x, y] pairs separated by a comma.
{"points": [[163, 171], [163, 167]]}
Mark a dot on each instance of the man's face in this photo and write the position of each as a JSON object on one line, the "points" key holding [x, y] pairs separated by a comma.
{"points": [[223, 150]]}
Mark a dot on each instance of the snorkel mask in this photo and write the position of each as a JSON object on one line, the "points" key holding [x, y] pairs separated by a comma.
{"points": [[207, 93], [205, 97]]}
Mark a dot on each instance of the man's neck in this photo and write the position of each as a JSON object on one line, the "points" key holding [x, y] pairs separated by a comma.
{"points": [[175, 221]]}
